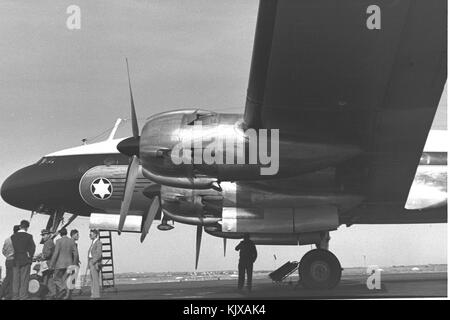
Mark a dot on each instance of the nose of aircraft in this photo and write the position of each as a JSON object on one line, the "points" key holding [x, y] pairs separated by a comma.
{"points": [[13, 190], [45, 187]]}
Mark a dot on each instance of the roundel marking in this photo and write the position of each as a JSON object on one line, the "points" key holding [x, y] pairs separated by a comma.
{"points": [[101, 188]]}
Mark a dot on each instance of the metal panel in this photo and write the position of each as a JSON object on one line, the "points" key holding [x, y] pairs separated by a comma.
{"points": [[111, 222], [318, 218]]}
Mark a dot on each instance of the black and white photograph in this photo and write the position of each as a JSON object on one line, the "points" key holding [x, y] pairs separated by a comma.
{"points": [[236, 151]]}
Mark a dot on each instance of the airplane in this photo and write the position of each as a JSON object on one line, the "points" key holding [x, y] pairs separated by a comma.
{"points": [[351, 108]]}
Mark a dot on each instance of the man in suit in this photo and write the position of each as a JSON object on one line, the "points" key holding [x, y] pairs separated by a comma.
{"points": [[46, 256], [74, 236], [247, 256], [24, 248], [95, 260], [8, 252], [65, 254]]}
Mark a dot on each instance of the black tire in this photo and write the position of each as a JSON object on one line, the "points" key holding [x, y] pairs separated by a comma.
{"points": [[320, 269]]}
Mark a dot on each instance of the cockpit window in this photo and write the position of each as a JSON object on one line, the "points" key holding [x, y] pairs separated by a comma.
{"points": [[46, 160], [206, 117]]}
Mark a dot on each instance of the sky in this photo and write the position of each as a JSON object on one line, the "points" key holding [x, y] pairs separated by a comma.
{"points": [[58, 86]]}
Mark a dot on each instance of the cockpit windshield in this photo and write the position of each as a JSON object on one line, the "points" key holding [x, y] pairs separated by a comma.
{"points": [[46, 160], [206, 117]]}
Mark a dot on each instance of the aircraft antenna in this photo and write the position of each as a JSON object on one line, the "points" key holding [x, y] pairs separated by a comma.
{"points": [[114, 130]]}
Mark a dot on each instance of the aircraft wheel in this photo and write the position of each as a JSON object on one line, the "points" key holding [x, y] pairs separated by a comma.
{"points": [[35, 287], [320, 269]]}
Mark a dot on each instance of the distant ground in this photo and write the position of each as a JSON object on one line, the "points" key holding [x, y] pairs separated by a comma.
{"points": [[158, 277], [395, 282], [411, 284]]}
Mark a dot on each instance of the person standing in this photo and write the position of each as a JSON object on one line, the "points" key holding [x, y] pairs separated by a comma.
{"points": [[46, 256], [24, 248], [74, 236], [95, 259], [64, 255], [247, 256], [8, 252]]}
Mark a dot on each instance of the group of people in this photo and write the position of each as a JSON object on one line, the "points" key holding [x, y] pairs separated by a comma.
{"points": [[60, 256], [57, 258]]}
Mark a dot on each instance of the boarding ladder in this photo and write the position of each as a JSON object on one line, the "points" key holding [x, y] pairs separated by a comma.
{"points": [[107, 260]]}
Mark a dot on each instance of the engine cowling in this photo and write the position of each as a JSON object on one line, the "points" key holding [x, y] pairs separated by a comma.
{"points": [[237, 210], [280, 220], [160, 136], [197, 149], [292, 239]]}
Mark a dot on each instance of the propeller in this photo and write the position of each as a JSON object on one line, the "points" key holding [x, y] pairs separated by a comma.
{"points": [[197, 244], [134, 123], [129, 147], [153, 211], [224, 247], [198, 239], [132, 173]]}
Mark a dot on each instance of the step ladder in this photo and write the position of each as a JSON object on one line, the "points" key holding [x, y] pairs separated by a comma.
{"points": [[107, 272], [284, 271]]}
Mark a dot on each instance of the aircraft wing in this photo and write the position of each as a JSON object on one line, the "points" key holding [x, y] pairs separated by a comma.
{"points": [[322, 71]]}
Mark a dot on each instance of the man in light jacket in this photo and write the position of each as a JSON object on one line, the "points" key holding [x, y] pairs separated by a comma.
{"points": [[8, 252], [95, 260]]}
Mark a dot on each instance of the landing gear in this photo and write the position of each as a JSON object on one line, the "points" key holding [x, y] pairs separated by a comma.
{"points": [[324, 241], [56, 219], [319, 269]]}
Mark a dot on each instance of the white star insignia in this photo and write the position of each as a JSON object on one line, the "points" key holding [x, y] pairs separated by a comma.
{"points": [[101, 188]]}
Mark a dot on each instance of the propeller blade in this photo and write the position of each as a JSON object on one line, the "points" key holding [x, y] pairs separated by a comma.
{"points": [[154, 209], [197, 244], [224, 247], [134, 123], [133, 170]]}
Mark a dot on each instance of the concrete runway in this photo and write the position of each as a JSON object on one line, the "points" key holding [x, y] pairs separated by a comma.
{"points": [[394, 285]]}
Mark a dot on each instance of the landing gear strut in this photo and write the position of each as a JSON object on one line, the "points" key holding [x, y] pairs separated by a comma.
{"points": [[319, 268], [56, 219]]}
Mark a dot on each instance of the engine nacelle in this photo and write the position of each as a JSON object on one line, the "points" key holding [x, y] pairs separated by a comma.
{"points": [[271, 238], [280, 220], [195, 149], [166, 132], [242, 208]]}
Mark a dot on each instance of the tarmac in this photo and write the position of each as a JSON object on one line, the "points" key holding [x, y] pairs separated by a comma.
{"points": [[395, 285]]}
